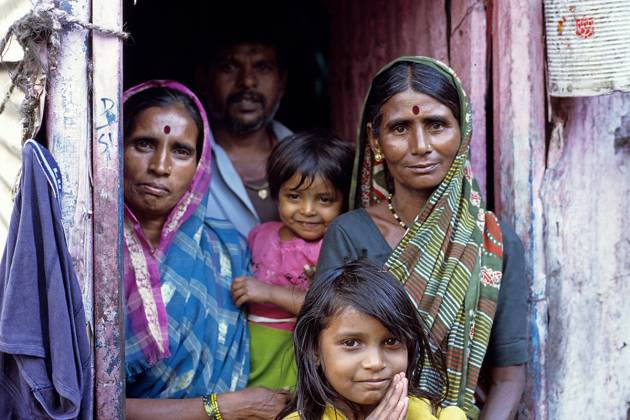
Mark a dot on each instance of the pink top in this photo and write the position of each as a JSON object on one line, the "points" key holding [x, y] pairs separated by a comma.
{"points": [[279, 262]]}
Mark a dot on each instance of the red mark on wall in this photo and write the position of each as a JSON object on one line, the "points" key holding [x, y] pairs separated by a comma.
{"points": [[584, 27]]}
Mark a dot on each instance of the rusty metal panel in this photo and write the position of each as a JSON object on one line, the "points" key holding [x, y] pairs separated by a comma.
{"points": [[108, 201]]}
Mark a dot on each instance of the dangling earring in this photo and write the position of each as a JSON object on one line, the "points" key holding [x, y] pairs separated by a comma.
{"points": [[378, 157]]}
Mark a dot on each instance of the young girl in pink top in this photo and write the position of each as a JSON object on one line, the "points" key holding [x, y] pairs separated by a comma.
{"points": [[309, 178]]}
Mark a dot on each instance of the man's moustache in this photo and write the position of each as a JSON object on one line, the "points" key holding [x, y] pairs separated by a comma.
{"points": [[247, 95]]}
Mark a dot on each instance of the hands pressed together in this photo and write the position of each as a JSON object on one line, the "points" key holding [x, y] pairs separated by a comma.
{"points": [[395, 403]]}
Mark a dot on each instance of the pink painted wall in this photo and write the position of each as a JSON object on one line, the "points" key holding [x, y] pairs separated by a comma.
{"points": [[586, 198], [562, 176], [519, 159]]}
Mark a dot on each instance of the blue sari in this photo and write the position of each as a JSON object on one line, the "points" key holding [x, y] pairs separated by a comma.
{"points": [[208, 336]]}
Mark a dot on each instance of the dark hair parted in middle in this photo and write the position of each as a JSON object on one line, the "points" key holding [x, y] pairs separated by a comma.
{"points": [[161, 97], [373, 291], [311, 153], [418, 77]]}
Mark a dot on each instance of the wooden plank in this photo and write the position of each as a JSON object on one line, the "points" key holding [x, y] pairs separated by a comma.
{"points": [[68, 133], [469, 59], [107, 174], [586, 198], [519, 161]]}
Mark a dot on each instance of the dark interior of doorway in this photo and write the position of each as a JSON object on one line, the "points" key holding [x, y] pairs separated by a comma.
{"points": [[170, 37]]}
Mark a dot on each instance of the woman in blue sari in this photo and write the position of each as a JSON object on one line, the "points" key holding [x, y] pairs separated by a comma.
{"points": [[186, 344]]}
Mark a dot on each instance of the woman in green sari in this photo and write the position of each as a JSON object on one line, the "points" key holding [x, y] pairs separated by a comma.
{"points": [[420, 214]]}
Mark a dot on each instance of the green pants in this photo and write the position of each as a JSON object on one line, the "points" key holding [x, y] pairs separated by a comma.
{"points": [[272, 358]]}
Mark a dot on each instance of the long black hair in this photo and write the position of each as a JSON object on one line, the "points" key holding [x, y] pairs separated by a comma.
{"points": [[161, 97], [420, 78], [375, 292], [311, 153]]}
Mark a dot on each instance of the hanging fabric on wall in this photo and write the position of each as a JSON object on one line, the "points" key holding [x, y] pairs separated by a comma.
{"points": [[44, 348]]}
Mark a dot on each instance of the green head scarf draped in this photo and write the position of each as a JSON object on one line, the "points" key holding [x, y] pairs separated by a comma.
{"points": [[451, 257]]}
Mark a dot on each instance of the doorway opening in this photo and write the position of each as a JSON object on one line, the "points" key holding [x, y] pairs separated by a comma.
{"points": [[170, 39]]}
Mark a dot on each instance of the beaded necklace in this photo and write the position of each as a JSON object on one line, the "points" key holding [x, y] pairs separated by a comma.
{"points": [[390, 206]]}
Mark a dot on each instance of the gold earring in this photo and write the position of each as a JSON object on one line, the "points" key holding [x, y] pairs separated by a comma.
{"points": [[378, 157]]}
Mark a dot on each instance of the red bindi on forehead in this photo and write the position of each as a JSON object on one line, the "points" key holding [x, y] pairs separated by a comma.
{"points": [[415, 109], [167, 129]]}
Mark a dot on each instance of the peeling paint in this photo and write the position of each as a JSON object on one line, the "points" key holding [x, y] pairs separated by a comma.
{"points": [[68, 133], [107, 158], [519, 164], [622, 136], [586, 198]]}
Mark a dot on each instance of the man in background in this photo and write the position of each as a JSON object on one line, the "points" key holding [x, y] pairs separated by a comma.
{"points": [[244, 82]]}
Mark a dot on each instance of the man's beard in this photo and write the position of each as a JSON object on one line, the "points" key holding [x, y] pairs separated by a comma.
{"points": [[239, 127]]}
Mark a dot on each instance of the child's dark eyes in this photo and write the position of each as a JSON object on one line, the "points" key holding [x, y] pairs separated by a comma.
{"points": [[392, 341], [350, 342], [293, 196], [326, 199]]}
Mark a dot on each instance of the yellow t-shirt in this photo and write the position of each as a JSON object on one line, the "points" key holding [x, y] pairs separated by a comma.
{"points": [[419, 409]]}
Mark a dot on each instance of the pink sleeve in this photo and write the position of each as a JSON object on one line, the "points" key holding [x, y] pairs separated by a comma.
{"points": [[260, 238]]}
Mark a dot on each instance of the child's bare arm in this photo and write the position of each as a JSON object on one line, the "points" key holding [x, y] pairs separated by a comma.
{"points": [[248, 289]]}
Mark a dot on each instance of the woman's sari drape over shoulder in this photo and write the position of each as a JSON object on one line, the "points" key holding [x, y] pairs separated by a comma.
{"points": [[450, 259], [184, 336]]}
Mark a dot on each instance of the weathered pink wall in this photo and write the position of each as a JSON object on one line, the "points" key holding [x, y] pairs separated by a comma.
{"points": [[469, 58], [519, 159], [366, 35], [568, 194], [586, 197]]}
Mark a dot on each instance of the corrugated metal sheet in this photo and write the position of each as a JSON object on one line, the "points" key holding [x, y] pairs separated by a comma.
{"points": [[588, 46]]}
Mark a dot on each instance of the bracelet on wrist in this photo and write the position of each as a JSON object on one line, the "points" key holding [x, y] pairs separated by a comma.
{"points": [[211, 405]]}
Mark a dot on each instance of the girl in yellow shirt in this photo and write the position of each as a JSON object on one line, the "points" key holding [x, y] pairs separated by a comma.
{"points": [[359, 346]]}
